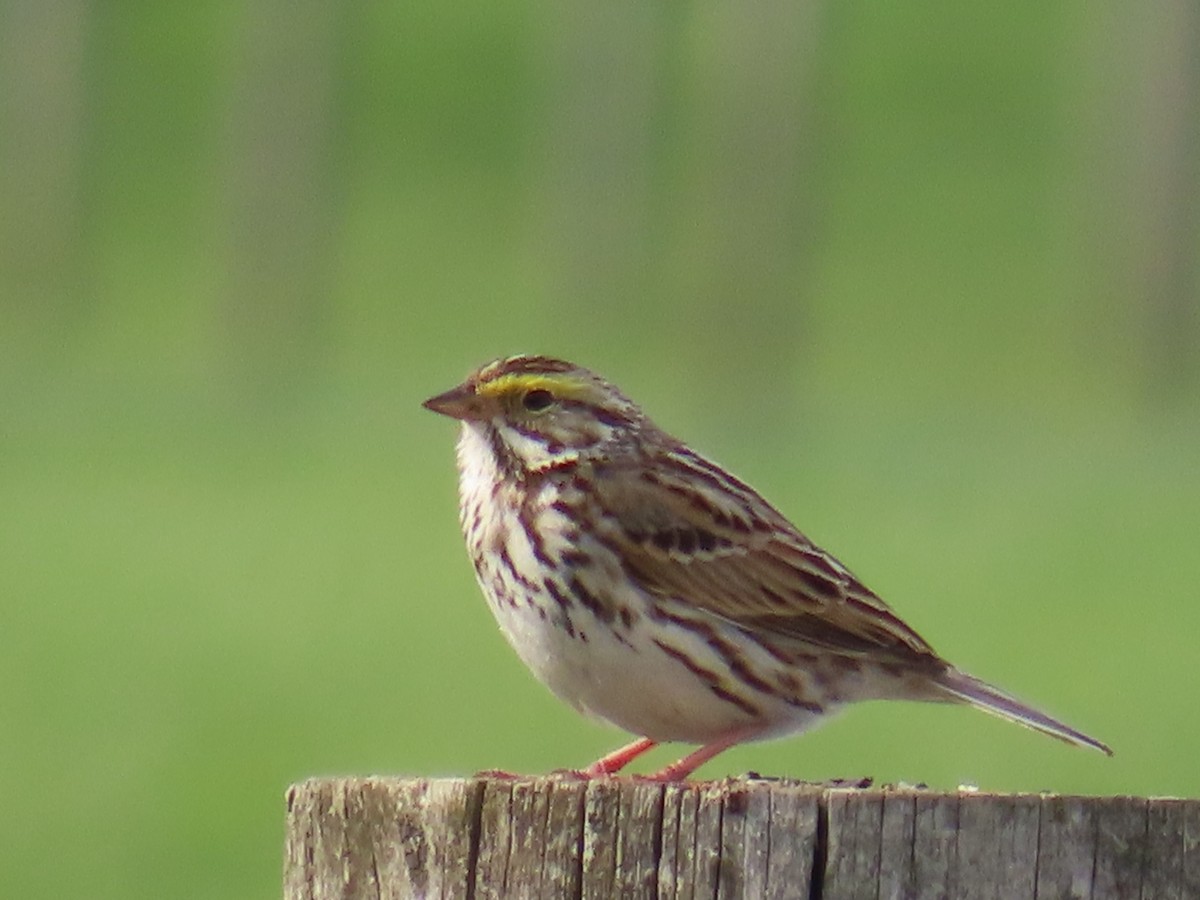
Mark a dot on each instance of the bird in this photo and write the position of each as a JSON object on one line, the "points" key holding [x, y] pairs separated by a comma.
{"points": [[648, 587]]}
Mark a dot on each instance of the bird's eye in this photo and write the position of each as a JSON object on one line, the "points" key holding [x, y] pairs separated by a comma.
{"points": [[537, 400]]}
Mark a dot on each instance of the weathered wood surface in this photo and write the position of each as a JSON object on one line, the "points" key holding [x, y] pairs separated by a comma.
{"points": [[546, 837]]}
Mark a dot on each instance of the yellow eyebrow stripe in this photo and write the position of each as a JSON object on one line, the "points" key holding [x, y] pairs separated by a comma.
{"points": [[560, 386]]}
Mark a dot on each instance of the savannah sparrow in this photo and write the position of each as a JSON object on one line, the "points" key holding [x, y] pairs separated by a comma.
{"points": [[647, 586]]}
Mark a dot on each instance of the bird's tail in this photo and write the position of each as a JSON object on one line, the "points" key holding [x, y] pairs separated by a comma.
{"points": [[968, 689]]}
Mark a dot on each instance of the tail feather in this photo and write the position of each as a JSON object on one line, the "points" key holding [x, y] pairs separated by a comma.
{"points": [[982, 695]]}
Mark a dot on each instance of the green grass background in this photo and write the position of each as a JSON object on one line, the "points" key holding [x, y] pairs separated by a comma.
{"points": [[229, 564]]}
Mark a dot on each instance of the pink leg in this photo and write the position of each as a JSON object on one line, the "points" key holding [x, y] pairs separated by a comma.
{"points": [[619, 759], [678, 771]]}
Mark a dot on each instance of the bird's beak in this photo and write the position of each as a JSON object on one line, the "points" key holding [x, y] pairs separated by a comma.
{"points": [[458, 403]]}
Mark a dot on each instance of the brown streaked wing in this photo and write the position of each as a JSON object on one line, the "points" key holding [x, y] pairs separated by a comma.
{"points": [[719, 545]]}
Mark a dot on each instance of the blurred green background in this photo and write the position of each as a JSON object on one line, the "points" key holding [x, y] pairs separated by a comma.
{"points": [[926, 276]]}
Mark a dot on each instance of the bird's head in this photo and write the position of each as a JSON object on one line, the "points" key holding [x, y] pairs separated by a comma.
{"points": [[537, 412]]}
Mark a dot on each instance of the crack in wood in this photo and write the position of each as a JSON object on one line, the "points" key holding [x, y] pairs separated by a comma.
{"points": [[816, 884]]}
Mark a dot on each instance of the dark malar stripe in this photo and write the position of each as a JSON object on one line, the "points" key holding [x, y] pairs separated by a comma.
{"points": [[509, 464]]}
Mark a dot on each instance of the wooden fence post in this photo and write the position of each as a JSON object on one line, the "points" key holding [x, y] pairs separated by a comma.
{"points": [[351, 838]]}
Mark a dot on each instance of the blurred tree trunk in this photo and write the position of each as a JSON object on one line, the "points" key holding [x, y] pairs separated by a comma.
{"points": [[593, 160], [280, 199], [1170, 172], [715, 289], [1151, 252], [41, 140], [749, 206]]}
